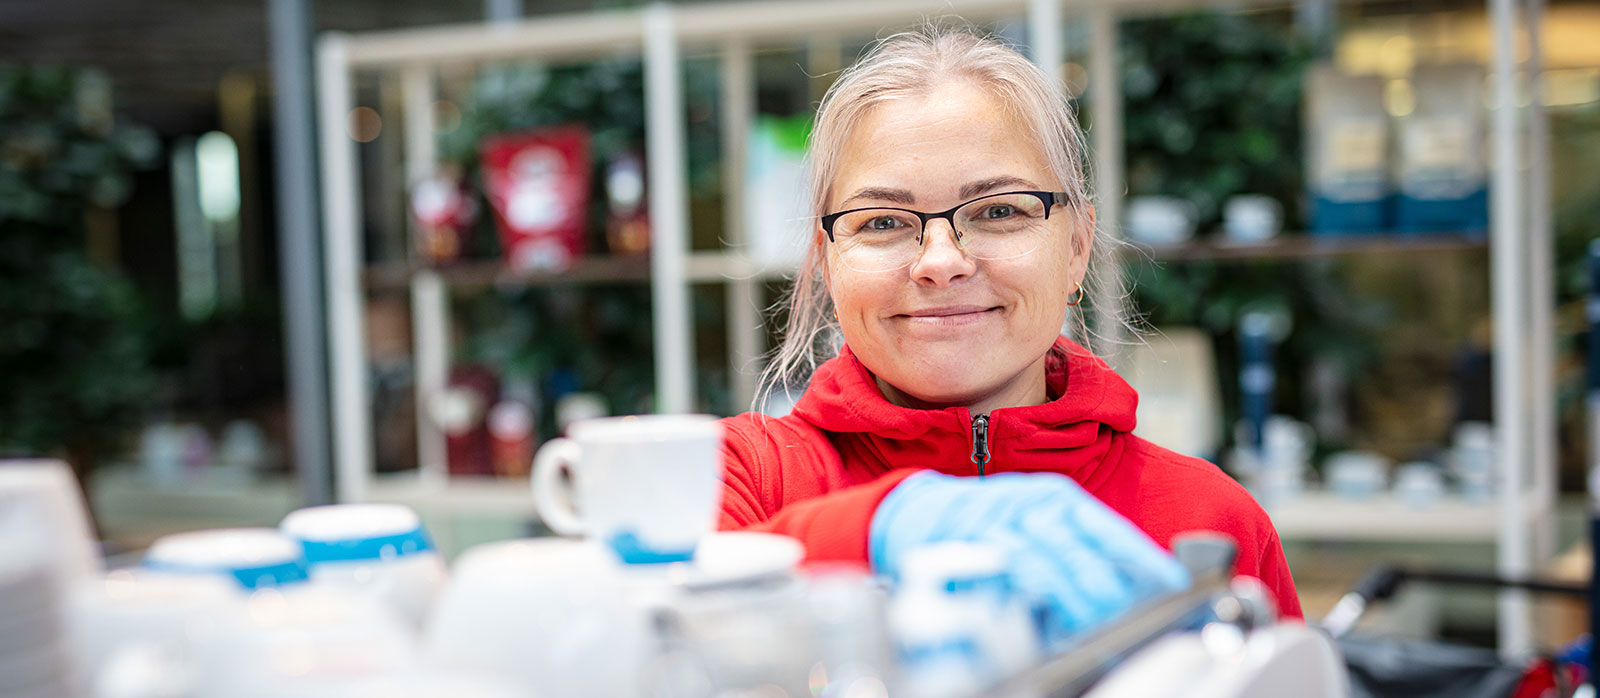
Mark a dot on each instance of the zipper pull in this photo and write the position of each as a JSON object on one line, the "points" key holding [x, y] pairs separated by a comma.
{"points": [[980, 442]]}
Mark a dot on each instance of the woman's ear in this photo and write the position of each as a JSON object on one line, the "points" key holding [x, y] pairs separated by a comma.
{"points": [[1082, 244]]}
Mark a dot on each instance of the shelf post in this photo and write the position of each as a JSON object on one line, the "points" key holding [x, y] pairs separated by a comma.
{"points": [[1045, 36], [341, 230], [430, 305], [669, 212], [1508, 249], [1541, 272], [1105, 103], [745, 331]]}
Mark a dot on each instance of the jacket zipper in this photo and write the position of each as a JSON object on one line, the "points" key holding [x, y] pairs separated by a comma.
{"points": [[980, 442]]}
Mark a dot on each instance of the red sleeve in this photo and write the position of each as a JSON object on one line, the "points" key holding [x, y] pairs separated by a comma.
{"points": [[1274, 572], [832, 525]]}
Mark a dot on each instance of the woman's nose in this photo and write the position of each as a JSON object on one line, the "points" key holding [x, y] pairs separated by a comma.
{"points": [[942, 259]]}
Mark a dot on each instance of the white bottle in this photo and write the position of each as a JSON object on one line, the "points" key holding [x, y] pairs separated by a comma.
{"points": [[958, 622]]}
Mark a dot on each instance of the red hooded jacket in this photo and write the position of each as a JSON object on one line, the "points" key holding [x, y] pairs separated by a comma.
{"points": [[819, 473]]}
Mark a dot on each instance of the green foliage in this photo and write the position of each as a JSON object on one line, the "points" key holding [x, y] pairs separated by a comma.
{"points": [[73, 361], [1212, 105]]}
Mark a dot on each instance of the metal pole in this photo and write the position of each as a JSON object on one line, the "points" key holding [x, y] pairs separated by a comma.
{"points": [[746, 336], [1593, 314], [1542, 289], [669, 212], [1509, 269], [430, 300], [1044, 35], [299, 272], [341, 240], [1105, 103]]}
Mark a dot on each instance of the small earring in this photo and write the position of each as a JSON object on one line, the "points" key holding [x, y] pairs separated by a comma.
{"points": [[1079, 291], [835, 314]]}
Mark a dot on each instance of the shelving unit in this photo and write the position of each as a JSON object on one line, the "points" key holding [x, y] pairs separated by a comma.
{"points": [[1519, 240], [1296, 246]]}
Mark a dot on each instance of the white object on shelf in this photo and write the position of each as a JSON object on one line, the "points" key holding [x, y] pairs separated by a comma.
{"points": [[1160, 220], [1175, 375], [777, 212], [1383, 517]]}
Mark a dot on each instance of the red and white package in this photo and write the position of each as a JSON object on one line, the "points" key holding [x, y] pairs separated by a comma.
{"points": [[538, 184]]}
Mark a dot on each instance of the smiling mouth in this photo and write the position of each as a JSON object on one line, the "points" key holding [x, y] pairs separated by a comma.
{"points": [[952, 315]]}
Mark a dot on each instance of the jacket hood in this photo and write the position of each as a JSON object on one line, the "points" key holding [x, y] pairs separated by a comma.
{"points": [[1072, 433]]}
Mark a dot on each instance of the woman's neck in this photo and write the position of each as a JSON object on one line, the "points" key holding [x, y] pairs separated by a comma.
{"points": [[1026, 388]]}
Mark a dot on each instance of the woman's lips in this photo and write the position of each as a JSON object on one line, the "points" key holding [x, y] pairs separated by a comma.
{"points": [[948, 316]]}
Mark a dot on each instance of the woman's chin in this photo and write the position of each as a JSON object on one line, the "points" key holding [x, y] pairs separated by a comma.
{"points": [[936, 391]]}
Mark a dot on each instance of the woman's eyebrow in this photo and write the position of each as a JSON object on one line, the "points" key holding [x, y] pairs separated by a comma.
{"points": [[899, 196], [984, 185]]}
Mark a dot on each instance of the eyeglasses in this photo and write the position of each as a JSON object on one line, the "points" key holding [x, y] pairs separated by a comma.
{"points": [[997, 226]]}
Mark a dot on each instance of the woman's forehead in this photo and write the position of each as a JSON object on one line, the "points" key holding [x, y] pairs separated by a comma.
{"points": [[944, 145]]}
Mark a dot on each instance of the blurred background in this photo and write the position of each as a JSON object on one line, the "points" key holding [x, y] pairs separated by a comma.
{"points": [[245, 271]]}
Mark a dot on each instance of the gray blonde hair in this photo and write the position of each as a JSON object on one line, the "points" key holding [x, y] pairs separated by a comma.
{"points": [[904, 65]]}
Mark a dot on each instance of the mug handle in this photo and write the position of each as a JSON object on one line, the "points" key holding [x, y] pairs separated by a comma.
{"points": [[552, 500]]}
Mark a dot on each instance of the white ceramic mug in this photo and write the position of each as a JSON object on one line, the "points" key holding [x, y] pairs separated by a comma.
{"points": [[648, 486]]}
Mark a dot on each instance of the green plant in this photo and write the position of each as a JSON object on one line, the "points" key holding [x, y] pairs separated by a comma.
{"points": [[1212, 105], [73, 359]]}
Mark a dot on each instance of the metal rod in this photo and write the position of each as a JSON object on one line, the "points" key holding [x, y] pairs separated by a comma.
{"points": [[341, 240], [1095, 653], [1507, 255], [1045, 36], [430, 300], [1542, 288], [1105, 103], [669, 212], [304, 342], [746, 335]]}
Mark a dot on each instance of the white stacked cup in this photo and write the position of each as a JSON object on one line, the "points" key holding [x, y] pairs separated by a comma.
{"points": [[252, 557], [305, 641], [137, 632], [376, 550], [46, 549], [546, 616]]}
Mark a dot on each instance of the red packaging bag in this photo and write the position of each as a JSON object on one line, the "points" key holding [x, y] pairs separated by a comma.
{"points": [[538, 184]]}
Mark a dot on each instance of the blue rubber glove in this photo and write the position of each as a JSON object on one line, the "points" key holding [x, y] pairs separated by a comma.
{"points": [[1074, 559]]}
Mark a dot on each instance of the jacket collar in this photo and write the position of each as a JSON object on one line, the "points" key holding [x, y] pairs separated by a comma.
{"points": [[1070, 433]]}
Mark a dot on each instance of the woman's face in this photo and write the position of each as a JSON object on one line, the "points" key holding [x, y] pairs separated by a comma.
{"points": [[950, 329]]}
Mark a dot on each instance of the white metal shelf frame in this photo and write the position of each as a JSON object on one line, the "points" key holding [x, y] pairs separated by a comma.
{"points": [[1520, 228]]}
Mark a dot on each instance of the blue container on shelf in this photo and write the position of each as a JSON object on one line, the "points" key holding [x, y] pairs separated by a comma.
{"points": [[1441, 175], [1347, 163]]}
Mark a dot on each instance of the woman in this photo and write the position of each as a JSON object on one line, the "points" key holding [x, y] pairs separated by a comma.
{"points": [[952, 248]]}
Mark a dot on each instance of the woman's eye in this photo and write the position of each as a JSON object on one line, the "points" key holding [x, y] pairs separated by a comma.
{"points": [[999, 211], [883, 223]]}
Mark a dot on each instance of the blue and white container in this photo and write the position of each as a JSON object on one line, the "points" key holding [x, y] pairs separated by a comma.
{"points": [[1441, 176], [1347, 149], [379, 551], [253, 557], [957, 622]]}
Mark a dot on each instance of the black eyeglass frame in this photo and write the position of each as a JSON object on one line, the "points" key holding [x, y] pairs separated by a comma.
{"points": [[1049, 198]]}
